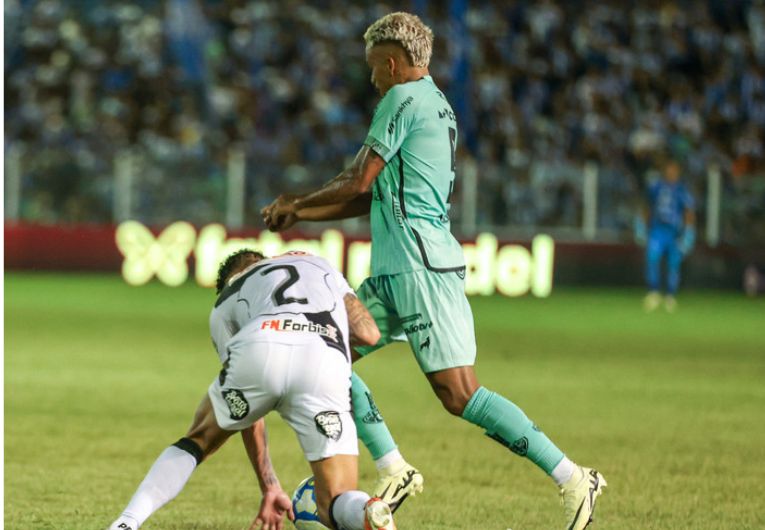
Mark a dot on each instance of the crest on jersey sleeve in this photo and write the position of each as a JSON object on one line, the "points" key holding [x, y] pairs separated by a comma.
{"points": [[329, 424]]}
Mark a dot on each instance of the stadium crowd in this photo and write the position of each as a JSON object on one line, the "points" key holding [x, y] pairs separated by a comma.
{"points": [[541, 88]]}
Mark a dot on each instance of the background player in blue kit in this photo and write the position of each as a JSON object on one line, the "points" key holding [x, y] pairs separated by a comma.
{"points": [[671, 232]]}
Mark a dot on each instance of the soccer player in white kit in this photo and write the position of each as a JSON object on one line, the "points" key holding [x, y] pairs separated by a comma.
{"points": [[282, 327]]}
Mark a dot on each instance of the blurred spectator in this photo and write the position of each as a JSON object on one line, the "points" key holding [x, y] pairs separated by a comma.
{"points": [[549, 86]]}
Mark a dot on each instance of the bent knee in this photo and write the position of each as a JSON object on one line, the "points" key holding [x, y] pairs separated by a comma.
{"points": [[208, 437], [454, 403], [454, 387]]}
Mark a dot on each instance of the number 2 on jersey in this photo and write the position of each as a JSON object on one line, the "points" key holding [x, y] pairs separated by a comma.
{"points": [[279, 298]]}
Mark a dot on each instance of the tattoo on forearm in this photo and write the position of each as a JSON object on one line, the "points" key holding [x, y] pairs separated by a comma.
{"points": [[349, 184], [360, 321], [262, 460], [339, 189], [269, 477]]}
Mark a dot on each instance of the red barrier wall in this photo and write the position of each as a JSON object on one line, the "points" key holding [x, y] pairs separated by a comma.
{"points": [[65, 248]]}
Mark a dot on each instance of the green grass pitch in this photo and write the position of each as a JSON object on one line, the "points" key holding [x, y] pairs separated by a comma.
{"points": [[101, 377]]}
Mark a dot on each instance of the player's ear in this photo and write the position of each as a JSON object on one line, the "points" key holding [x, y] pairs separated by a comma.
{"points": [[392, 66]]}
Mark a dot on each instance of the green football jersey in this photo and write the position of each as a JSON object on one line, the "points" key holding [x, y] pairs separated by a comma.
{"points": [[415, 131]]}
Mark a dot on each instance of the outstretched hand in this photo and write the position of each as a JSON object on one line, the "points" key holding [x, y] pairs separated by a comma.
{"points": [[280, 214], [273, 507]]}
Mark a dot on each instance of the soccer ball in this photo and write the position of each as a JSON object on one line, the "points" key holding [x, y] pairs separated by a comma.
{"points": [[304, 505]]}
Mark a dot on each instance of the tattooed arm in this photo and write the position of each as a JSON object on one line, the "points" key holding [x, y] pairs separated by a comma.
{"points": [[256, 444], [364, 331], [352, 183], [275, 503], [342, 210]]}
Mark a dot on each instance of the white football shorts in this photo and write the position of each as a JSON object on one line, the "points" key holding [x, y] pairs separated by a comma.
{"points": [[307, 383]]}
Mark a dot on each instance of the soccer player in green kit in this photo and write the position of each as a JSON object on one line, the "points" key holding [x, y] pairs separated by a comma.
{"points": [[403, 177]]}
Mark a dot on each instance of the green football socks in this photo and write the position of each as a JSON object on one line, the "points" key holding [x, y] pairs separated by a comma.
{"points": [[370, 425], [508, 425]]}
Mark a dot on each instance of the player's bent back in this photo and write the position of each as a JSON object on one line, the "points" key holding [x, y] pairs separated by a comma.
{"points": [[281, 329]]}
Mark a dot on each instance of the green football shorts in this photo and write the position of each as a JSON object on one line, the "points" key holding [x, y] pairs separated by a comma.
{"points": [[428, 309]]}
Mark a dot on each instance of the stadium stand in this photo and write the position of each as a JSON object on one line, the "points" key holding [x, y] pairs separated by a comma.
{"points": [[541, 88]]}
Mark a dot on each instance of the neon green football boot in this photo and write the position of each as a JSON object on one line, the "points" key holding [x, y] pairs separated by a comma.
{"points": [[396, 482], [578, 497]]}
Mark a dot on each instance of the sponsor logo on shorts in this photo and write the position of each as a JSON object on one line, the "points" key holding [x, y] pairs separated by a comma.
{"points": [[237, 404], [287, 324], [414, 328], [410, 323], [329, 424]]}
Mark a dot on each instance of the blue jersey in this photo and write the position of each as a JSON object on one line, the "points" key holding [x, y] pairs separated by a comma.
{"points": [[668, 203]]}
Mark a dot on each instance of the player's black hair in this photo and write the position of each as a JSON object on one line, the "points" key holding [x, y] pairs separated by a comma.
{"points": [[233, 263]]}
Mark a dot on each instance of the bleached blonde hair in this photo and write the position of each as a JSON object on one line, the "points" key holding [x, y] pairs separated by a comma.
{"points": [[406, 29]]}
